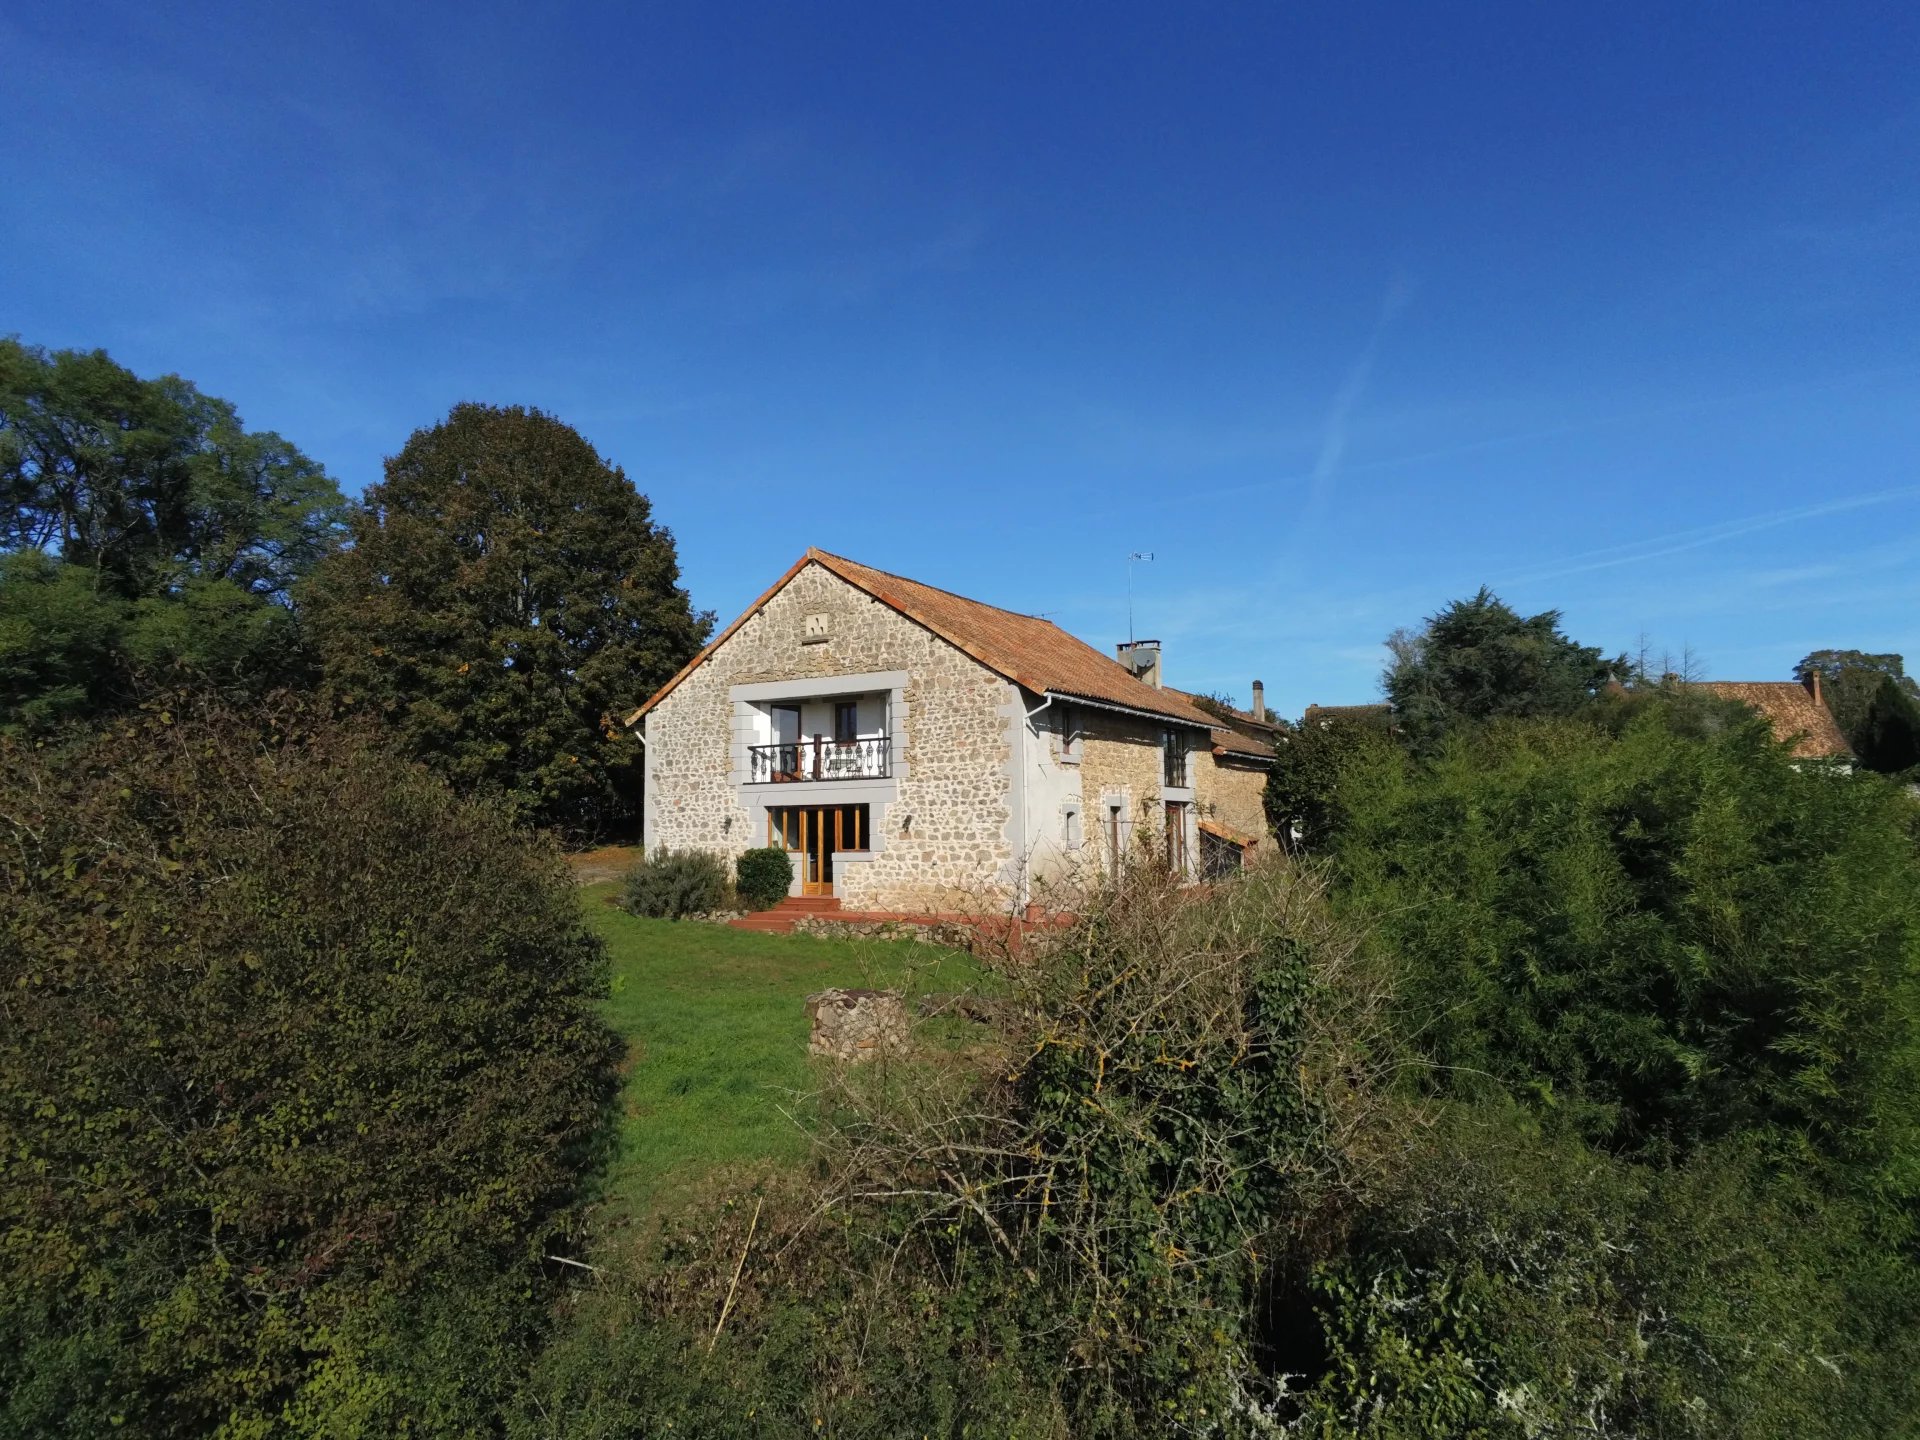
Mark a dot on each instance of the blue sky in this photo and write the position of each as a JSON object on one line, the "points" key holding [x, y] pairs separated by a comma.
{"points": [[1341, 310]]}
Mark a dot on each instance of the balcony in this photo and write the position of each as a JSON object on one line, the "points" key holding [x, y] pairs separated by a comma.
{"points": [[821, 759]]}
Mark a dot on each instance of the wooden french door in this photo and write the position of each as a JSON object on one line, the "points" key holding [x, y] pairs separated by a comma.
{"points": [[816, 832], [789, 753], [816, 846], [1177, 837]]}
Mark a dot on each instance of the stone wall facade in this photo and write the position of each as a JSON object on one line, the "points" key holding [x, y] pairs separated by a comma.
{"points": [[1232, 794], [940, 825], [1122, 764]]}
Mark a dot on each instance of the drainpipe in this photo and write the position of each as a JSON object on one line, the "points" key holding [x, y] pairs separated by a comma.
{"points": [[1026, 884], [646, 789]]}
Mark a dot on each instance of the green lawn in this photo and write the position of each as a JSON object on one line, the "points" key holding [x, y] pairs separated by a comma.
{"points": [[716, 1029]]}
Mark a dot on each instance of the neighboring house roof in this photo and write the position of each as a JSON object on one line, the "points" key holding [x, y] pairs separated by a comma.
{"points": [[1795, 715], [1235, 742], [1346, 712], [1025, 649]]}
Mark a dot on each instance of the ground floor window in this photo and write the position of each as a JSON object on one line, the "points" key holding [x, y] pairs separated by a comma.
{"points": [[1219, 857]]}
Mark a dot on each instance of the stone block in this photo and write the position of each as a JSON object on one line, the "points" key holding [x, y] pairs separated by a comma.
{"points": [[856, 1025]]}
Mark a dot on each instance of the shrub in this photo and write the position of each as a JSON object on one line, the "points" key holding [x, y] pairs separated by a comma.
{"points": [[672, 884], [1671, 938], [1509, 1284], [765, 877], [1116, 1188], [302, 1070]]}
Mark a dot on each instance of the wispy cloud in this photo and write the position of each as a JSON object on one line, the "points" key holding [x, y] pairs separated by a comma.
{"points": [[1339, 422], [1679, 541], [1617, 419]]}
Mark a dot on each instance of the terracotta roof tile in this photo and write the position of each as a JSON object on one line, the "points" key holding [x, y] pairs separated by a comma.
{"points": [[1234, 837], [1378, 711], [1789, 707], [1031, 652], [1236, 742]]}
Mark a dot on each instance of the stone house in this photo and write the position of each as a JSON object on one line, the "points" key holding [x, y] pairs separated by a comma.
{"points": [[918, 752], [1233, 810]]}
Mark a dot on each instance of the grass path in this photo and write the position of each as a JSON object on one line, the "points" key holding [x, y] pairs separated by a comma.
{"points": [[716, 1029]]}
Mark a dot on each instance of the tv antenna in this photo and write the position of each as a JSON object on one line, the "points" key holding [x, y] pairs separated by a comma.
{"points": [[1131, 557]]}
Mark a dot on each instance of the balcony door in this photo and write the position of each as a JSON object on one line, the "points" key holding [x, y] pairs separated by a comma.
{"points": [[788, 763]]}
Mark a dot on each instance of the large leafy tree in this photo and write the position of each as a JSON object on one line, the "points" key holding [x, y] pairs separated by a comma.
{"points": [[1480, 659], [1311, 760], [145, 532], [506, 595], [1875, 703]]}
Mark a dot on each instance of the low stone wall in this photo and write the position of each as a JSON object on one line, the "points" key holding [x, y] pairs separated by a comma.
{"points": [[856, 1025], [926, 932], [975, 935]]}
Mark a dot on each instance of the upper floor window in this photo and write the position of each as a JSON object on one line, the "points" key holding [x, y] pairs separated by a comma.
{"points": [[1069, 734], [846, 721], [1174, 747]]}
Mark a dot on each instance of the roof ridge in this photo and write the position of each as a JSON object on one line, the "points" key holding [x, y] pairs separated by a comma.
{"points": [[814, 552], [1058, 662]]}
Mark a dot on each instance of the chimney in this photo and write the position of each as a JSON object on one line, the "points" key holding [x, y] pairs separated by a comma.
{"points": [[1142, 657], [1259, 701], [1812, 682]]}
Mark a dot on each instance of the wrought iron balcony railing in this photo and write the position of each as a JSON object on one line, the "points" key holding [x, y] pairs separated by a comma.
{"points": [[821, 759]]}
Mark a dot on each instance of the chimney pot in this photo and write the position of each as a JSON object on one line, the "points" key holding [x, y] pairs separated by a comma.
{"points": [[1259, 701]]}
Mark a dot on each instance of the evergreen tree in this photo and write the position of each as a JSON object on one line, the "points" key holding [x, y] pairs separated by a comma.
{"points": [[1889, 736], [1479, 660], [506, 597], [1875, 703]]}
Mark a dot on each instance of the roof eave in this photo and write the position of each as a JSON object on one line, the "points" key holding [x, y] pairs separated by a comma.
{"points": [[1142, 712]]}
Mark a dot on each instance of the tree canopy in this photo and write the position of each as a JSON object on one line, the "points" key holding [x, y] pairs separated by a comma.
{"points": [[1479, 659], [146, 533], [150, 483], [1875, 703], [1302, 795], [506, 598]]}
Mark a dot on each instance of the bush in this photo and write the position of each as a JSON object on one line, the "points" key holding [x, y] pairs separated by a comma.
{"points": [[672, 884], [1513, 1285], [1669, 939], [302, 1071], [765, 877]]}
